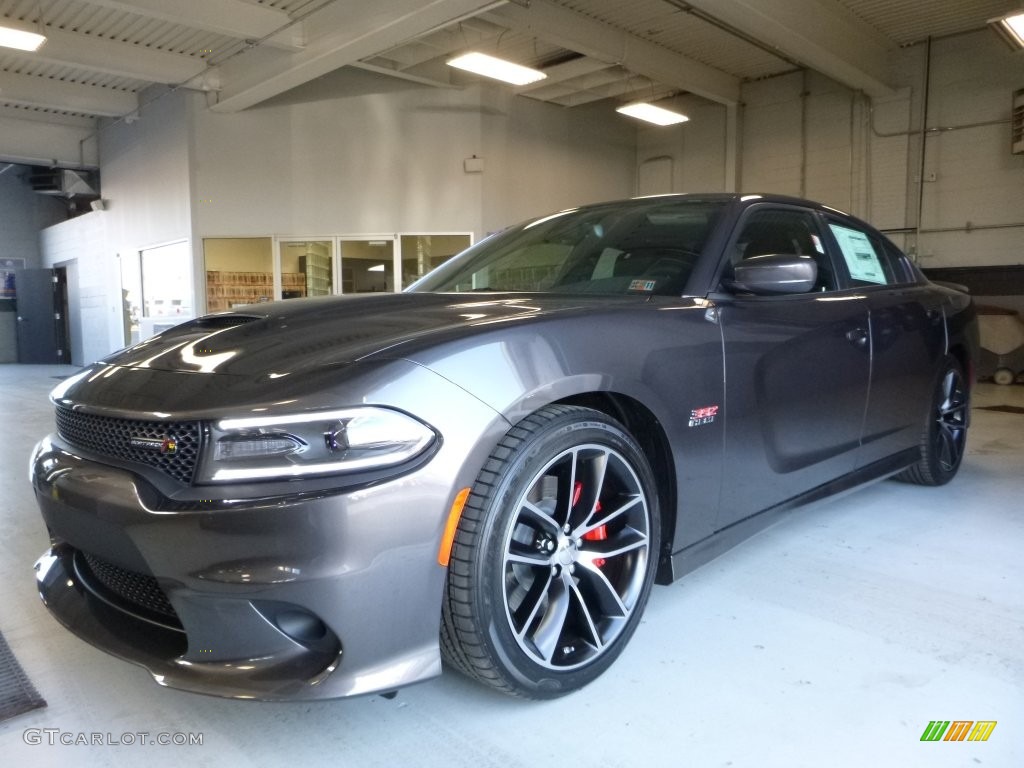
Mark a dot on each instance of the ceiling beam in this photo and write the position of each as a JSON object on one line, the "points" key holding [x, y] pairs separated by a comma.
{"points": [[583, 34], [234, 18], [599, 92], [53, 143], [427, 48], [32, 91], [113, 57], [820, 34], [559, 73], [402, 75], [50, 118], [355, 32]]}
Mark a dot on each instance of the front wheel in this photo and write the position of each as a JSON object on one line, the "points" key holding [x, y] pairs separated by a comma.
{"points": [[944, 437], [554, 556]]}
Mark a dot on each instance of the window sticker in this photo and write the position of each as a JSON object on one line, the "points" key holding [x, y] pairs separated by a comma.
{"points": [[642, 285], [859, 253]]}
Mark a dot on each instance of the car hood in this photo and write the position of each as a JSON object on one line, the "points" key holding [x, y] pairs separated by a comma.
{"points": [[300, 335]]}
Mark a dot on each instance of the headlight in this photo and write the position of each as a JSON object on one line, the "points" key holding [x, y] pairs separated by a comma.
{"points": [[321, 443]]}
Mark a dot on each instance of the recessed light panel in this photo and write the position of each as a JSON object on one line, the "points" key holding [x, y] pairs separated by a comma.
{"points": [[652, 114], [498, 69]]}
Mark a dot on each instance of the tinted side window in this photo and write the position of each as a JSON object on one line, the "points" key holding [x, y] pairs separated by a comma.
{"points": [[865, 256], [784, 231], [900, 263]]}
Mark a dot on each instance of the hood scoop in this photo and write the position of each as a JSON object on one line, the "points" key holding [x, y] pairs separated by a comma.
{"points": [[215, 322]]}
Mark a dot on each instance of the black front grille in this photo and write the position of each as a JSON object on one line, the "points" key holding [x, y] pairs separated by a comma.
{"points": [[137, 589], [142, 442]]}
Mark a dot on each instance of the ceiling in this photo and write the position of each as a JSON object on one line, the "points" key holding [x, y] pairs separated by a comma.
{"points": [[101, 54]]}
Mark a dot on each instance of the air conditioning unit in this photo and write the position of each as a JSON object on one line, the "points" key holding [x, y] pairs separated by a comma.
{"points": [[62, 182]]}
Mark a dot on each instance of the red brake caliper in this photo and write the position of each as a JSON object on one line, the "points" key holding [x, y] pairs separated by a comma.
{"points": [[598, 534]]}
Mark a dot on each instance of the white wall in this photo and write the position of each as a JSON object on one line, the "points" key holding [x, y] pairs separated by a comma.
{"points": [[95, 321], [145, 177], [977, 182], [145, 172], [317, 165], [541, 158], [803, 134], [693, 154], [391, 162], [313, 164], [320, 161]]}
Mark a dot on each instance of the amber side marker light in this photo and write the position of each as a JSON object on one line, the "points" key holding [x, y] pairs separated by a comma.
{"points": [[444, 553]]}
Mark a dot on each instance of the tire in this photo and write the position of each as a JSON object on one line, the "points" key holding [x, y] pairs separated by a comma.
{"points": [[944, 437], [1003, 376], [554, 555]]}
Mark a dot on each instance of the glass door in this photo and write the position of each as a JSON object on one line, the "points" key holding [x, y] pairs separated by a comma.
{"points": [[421, 253], [306, 267], [367, 264]]}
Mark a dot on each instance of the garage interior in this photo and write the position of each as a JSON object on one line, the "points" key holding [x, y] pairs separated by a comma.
{"points": [[165, 158]]}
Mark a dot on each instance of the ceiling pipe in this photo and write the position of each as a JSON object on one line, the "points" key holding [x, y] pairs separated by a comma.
{"points": [[923, 141]]}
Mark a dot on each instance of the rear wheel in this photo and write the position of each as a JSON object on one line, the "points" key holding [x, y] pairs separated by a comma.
{"points": [[944, 438], [554, 555]]}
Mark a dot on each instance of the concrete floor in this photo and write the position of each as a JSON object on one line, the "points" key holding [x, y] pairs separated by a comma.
{"points": [[832, 639]]}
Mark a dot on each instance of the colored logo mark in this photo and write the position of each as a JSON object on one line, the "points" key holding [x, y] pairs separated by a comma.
{"points": [[701, 416], [958, 730]]}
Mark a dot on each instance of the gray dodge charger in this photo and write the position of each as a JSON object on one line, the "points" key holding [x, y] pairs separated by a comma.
{"points": [[326, 497]]}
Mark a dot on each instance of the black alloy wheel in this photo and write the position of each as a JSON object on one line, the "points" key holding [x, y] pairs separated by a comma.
{"points": [[944, 438]]}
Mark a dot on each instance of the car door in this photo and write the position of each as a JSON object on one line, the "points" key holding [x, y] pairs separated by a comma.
{"points": [[797, 368], [907, 336]]}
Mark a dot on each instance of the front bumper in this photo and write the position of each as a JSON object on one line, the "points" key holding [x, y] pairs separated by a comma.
{"points": [[297, 597]]}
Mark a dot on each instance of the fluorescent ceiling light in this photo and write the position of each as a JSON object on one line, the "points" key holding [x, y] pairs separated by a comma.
{"points": [[641, 110], [20, 36], [1010, 28], [498, 69], [377, 268]]}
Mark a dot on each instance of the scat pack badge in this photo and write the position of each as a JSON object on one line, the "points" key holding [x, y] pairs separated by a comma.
{"points": [[701, 416]]}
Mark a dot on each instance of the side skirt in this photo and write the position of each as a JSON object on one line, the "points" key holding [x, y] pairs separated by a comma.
{"points": [[697, 554]]}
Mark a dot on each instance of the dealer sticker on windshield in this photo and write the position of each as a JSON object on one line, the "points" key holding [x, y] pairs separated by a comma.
{"points": [[701, 416], [642, 285]]}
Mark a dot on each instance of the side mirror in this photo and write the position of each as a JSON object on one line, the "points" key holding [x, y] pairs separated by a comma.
{"points": [[774, 273]]}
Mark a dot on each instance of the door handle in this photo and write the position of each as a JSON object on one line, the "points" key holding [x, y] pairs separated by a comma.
{"points": [[858, 337]]}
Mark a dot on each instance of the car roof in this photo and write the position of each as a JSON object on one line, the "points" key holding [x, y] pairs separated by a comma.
{"points": [[744, 198]]}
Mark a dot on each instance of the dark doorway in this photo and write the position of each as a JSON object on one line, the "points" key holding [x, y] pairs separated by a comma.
{"points": [[41, 300]]}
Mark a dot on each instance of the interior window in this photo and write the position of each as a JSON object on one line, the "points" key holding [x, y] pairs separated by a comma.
{"points": [[785, 231], [864, 254]]}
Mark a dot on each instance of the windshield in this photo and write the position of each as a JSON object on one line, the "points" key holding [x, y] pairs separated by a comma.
{"points": [[640, 247]]}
